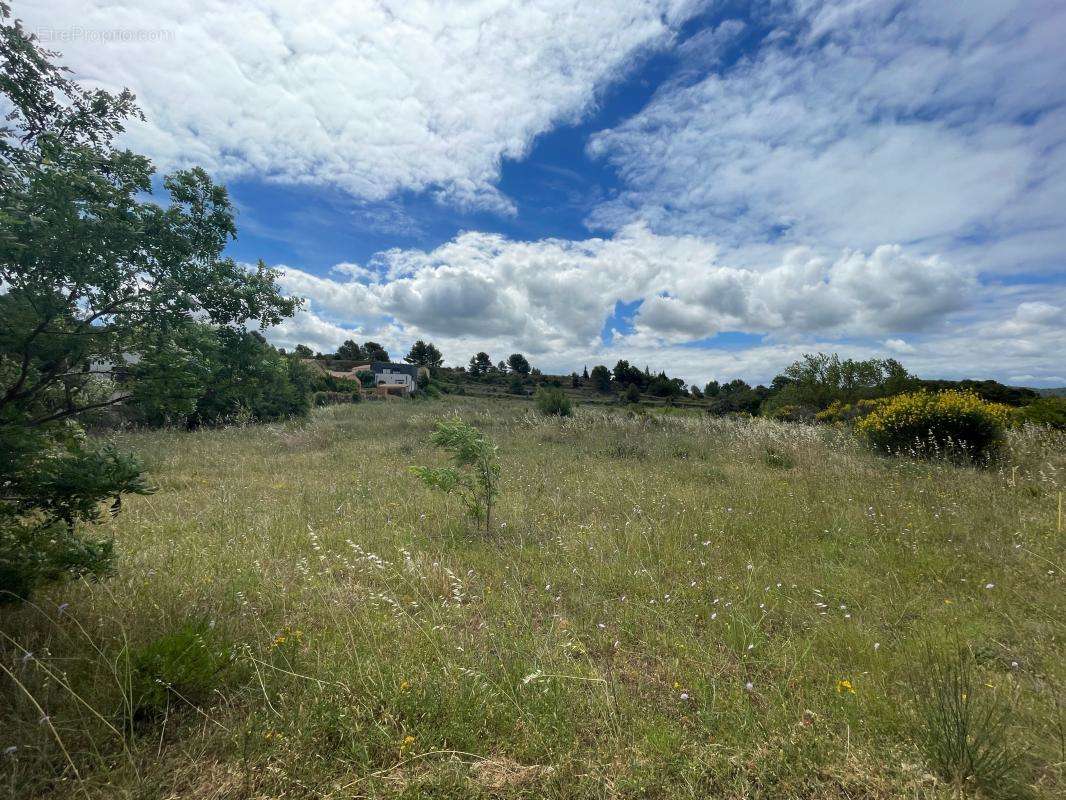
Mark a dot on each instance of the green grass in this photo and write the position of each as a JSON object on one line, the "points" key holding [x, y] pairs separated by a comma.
{"points": [[668, 607]]}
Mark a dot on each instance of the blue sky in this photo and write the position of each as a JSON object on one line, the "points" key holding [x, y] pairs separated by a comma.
{"points": [[710, 188]]}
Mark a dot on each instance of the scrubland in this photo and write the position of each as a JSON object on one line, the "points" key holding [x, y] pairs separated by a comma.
{"points": [[667, 606]]}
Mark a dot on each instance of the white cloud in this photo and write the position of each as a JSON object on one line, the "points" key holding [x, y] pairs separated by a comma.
{"points": [[926, 123], [374, 96], [551, 298]]}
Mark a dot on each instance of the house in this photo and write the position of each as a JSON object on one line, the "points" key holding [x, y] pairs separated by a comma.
{"points": [[390, 378]]}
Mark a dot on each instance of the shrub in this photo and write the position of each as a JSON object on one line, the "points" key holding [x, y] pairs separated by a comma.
{"points": [[475, 470], [553, 401], [955, 424], [180, 667], [776, 458], [1049, 411], [790, 412], [838, 413], [964, 729], [632, 394], [333, 398]]}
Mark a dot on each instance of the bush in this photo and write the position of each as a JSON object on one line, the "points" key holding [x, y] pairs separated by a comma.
{"points": [[1049, 411], [475, 471], [181, 667], [839, 413], [965, 730], [632, 394], [553, 401], [953, 424], [333, 398], [790, 412]]}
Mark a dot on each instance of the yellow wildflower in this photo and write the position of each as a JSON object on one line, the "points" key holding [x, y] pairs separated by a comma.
{"points": [[844, 685]]}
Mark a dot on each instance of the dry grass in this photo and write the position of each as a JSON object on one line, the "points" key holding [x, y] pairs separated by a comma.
{"points": [[668, 608]]}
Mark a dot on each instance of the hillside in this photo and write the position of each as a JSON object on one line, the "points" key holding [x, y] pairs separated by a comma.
{"points": [[670, 606]]}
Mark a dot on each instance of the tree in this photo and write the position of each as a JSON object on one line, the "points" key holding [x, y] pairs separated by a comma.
{"points": [[475, 470], [712, 389], [303, 351], [518, 364], [480, 364], [632, 394], [95, 277], [424, 355], [350, 351], [601, 378], [222, 374], [819, 379], [575, 381], [625, 374], [372, 351], [662, 386], [585, 374]]}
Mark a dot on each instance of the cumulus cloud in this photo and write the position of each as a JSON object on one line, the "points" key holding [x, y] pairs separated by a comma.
{"points": [[374, 96], [926, 123], [551, 298]]}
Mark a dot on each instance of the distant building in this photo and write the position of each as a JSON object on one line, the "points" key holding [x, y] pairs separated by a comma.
{"points": [[390, 378]]}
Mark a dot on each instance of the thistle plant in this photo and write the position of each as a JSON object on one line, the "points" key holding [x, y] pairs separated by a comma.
{"points": [[475, 471]]}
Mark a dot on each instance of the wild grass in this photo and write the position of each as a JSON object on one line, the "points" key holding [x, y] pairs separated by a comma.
{"points": [[667, 606]]}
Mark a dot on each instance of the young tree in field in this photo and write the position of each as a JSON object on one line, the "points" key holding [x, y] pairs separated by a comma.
{"points": [[601, 378], [424, 355], [475, 470], [480, 364], [350, 351], [93, 276], [518, 364]]}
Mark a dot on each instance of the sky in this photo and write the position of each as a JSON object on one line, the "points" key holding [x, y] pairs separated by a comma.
{"points": [[707, 188]]}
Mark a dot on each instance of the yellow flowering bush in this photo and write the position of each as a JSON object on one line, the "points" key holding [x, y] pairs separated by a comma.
{"points": [[952, 423]]}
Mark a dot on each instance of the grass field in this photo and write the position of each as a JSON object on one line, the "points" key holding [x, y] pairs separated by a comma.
{"points": [[669, 606]]}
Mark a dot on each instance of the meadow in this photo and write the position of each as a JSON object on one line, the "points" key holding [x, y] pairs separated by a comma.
{"points": [[669, 605]]}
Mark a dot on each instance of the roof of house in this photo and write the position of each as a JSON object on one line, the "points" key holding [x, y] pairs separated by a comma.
{"points": [[404, 369]]}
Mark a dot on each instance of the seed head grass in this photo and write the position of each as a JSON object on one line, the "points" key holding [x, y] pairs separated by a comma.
{"points": [[660, 609]]}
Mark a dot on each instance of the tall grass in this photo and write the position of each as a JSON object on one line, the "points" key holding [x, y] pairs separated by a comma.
{"points": [[668, 605]]}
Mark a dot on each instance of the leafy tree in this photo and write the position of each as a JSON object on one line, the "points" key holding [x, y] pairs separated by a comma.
{"points": [[518, 364], [372, 351], [738, 397], [475, 470], [366, 378], [819, 379], [575, 381], [95, 277], [424, 355], [625, 374], [662, 386], [632, 394], [303, 351], [711, 389], [350, 351], [480, 364], [601, 378]]}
